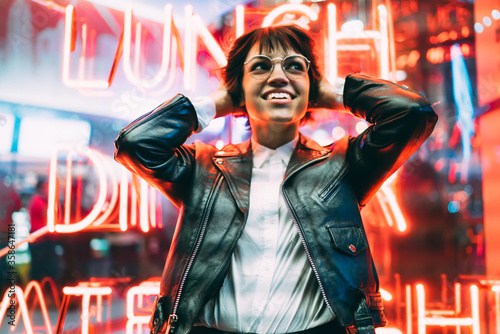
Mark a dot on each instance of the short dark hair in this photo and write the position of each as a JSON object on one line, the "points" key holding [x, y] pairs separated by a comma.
{"points": [[269, 39]]}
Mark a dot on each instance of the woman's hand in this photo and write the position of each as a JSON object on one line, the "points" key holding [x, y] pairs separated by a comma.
{"points": [[223, 102], [330, 96]]}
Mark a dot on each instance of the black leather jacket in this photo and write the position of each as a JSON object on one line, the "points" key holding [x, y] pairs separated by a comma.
{"points": [[324, 189]]}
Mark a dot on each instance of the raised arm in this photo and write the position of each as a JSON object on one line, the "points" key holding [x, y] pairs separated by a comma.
{"points": [[400, 121], [152, 147]]}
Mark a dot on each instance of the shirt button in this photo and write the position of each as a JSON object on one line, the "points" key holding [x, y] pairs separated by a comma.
{"points": [[352, 248]]}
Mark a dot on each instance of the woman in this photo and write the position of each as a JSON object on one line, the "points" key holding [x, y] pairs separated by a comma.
{"points": [[270, 238]]}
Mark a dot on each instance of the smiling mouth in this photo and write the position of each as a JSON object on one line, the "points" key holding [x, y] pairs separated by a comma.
{"points": [[279, 96]]}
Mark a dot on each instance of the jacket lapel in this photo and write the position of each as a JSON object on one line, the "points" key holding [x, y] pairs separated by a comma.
{"points": [[235, 163], [306, 150]]}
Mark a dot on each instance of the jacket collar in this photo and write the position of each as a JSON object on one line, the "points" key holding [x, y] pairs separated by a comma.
{"points": [[235, 163]]}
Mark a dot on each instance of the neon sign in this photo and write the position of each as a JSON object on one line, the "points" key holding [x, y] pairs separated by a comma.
{"points": [[195, 29]]}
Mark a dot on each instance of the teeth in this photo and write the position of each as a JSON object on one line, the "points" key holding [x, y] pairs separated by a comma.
{"points": [[279, 96]]}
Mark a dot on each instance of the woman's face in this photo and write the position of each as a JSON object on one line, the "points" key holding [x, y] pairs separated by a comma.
{"points": [[277, 99]]}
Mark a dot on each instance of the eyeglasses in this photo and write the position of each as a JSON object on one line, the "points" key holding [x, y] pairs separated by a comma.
{"points": [[260, 67]]}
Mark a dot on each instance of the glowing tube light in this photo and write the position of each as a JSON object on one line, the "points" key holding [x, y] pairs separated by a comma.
{"points": [[123, 212], [143, 209], [496, 289], [384, 43], [212, 45], [152, 206], [437, 320], [132, 318], [308, 11], [409, 327], [131, 75], [114, 194], [386, 295], [332, 43], [86, 292], [69, 185], [67, 48], [396, 210], [51, 207], [22, 305], [240, 20], [138, 44], [51, 5], [189, 49], [34, 285]]}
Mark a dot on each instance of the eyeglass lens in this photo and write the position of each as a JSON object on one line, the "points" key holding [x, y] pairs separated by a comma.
{"points": [[294, 67]]}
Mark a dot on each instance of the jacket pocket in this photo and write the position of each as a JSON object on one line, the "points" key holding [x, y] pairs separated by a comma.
{"points": [[349, 239]]}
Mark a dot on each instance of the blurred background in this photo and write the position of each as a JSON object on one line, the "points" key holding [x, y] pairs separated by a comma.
{"points": [[83, 242]]}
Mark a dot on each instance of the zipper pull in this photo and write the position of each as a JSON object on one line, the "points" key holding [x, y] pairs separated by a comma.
{"points": [[172, 320]]}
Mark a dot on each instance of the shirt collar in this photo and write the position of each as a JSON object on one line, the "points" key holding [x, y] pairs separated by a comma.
{"points": [[262, 153]]}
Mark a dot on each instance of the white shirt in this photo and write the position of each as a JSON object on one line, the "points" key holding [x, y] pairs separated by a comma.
{"points": [[270, 286]]}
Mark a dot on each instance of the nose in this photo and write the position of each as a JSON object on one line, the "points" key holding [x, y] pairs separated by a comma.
{"points": [[277, 75]]}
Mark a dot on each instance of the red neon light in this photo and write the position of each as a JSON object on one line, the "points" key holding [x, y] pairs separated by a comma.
{"points": [[18, 292], [138, 320], [34, 285], [190, 49], [67, 49], [240, 20], [331, 70], [287, 8], [166, 59], [86, 292], [438, 317], [51, 207]]}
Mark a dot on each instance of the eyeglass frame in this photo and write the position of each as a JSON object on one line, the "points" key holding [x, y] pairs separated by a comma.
{"points": [[308, 62]]}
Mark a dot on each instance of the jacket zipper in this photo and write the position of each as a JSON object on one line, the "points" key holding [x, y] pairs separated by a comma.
{"points": [[334, 184], [301, 236], [173, 318]]}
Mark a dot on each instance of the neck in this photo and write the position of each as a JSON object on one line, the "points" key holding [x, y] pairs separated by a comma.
{"points": [[274, 135]]}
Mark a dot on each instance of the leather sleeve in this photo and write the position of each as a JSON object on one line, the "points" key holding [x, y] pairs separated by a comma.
{"points": [[152, 146], [400, 121]]}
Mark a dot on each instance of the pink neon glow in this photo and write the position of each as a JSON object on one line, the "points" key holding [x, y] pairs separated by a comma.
{"points": [[138, 44], [384, 42], [240, 20], [139, 291], [131, 75], [207, 38], [143, 206], [152, 206], [133, 201], [396, 210], [458, 299], [409, 327], [22, 305], [386, 295], [86, 292], [68, 33], [69, 185], [306, 10], [114, 192], [51, 5], [123, 213], [387, 330], [30, 238], [189, 50], [34, 285], [331, 71], [94, 213], [438, 318], [496, 288], [81, 63]]}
